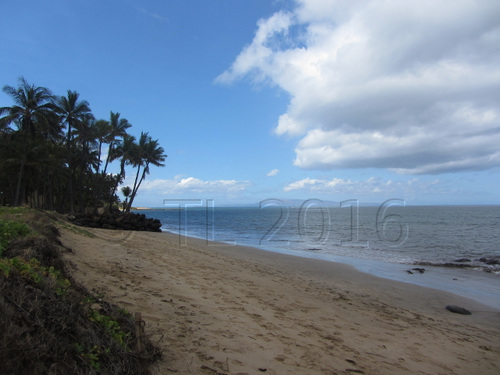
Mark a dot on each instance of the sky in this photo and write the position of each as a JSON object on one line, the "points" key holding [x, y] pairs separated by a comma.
{"points": [[281, 99]]}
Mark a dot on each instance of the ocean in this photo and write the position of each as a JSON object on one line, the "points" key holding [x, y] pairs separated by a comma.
{"points": [[453, 248]]}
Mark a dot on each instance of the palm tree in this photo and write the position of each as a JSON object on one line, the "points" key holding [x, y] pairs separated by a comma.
{"points": [[33, 112], [85, 151], [4, 128], [126, 190], [148, 152], [102, 134], [118, 129], [124, 151], [73, 112]]}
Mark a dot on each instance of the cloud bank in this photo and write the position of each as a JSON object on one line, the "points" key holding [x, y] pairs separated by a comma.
{"points": [[180, 186], [410, 86], [372, 186]]}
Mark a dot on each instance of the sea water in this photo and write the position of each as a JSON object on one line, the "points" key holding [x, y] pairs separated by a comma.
{"points": [[456, 246]]}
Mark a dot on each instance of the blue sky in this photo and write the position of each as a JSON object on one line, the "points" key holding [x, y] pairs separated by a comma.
{"points": [[290, 99]]}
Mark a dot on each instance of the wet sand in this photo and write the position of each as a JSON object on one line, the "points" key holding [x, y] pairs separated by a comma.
{"points": [[235, 310]]}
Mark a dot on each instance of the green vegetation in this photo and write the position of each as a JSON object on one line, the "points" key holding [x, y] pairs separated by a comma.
{"points": [[50, 152], [9, 230], [91, 356], [32, 270], [50, 324], [111, 327], [77, 230]]}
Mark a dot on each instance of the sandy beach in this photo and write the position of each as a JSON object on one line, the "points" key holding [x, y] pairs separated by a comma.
{"points": [[225, 309]]}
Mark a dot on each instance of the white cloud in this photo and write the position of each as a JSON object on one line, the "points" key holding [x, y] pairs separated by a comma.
{"points": [[254, 56], [151, 14], [372, 186], [273, 172], [410, 86], [190, 185]]}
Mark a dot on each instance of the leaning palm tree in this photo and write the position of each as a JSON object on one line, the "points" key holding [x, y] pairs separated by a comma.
{"points": [[148, 152], [33, 113], [73, 112], [118, 130]]}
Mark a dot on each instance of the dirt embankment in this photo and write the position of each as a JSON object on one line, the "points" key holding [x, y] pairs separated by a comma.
{"points": [[50, 323]]}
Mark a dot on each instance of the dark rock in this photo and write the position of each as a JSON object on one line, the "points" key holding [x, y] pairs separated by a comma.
{"points": [[419, 270], [489, 261], [457, 310], [118, 220], [462, 260]]}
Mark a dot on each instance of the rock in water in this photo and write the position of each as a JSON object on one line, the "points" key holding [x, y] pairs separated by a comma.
{"points": [[458, 310], [419, 270]]}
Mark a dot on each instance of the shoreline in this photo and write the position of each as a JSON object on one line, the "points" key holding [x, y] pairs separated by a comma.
{"points": [[329, 269], [464, 282], [235, 310]]}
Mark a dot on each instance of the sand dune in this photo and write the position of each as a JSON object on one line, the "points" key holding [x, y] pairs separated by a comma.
{"points": [[234, 310]]}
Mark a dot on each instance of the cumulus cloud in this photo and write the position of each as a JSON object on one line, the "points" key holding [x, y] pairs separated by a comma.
{"points": [[273, 172], [410, 86], [180, 185]]}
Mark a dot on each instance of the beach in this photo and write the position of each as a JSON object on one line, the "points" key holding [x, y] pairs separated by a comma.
{"points": [[223, 309]]}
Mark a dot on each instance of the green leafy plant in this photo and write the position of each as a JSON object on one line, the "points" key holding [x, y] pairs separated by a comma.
{"points": [[32, 270], [9, 230], [91, 355], [111, 326]]}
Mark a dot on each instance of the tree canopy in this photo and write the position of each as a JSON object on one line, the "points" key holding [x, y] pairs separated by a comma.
{"points": [[51, 152]]}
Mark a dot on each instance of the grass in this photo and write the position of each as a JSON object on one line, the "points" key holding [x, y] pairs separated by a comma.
{"points": [[10, 230], [75, 229]]}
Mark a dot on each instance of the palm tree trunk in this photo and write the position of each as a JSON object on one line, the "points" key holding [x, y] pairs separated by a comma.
{"points": [[109, 156], [21, 173], [99, 157], [18, 187], [70, 178], [120, 176], [50, 188], [134, 189]]}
